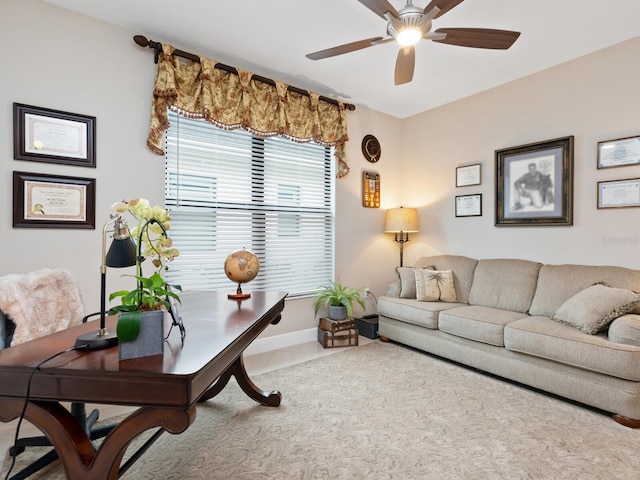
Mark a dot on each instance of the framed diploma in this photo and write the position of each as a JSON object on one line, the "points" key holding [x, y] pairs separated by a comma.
{"points": [[619, 193], [469, 205], [52, 136], [52, 201], [468, 175], [619, 153]]}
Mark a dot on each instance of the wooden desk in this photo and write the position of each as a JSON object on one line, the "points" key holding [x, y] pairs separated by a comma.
{"points": [[166, 388]]}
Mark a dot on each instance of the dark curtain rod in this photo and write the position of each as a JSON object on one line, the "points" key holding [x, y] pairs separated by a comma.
{"points": [[157, 48]]}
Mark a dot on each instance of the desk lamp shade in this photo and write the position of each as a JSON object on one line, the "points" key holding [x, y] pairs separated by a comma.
{"points": [[401, 221], [122, 253]]}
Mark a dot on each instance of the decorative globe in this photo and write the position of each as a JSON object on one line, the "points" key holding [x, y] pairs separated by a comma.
{"points": [[241, 266]]}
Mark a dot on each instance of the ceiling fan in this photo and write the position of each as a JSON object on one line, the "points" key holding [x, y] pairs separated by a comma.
{"points": [[411, 24]]}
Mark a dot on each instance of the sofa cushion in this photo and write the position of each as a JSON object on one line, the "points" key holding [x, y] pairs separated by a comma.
{"points": [[407, 278], [558, 283], [482, 324], [594, 308], [625, 329], [504, 283], [424, 314], [545, 338], [434, 285], [462, 268]]}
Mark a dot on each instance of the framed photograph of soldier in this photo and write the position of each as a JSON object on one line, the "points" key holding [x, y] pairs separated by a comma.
{"points": [[534, 184]]}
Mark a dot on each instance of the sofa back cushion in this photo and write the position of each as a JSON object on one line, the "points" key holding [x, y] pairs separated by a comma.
{"points": [[558, 283], [507, 284], [461, 267]]}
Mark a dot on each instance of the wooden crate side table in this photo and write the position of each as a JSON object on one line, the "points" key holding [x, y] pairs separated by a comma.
{"points": [[334, 326], [342, 338]]}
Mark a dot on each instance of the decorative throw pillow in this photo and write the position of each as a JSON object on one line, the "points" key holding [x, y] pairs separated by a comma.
{"points": [[625, 329], [592, 309], [407, 282], [434, 285], [407, 278]]}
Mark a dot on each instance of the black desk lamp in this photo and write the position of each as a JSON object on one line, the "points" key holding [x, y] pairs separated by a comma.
{"points": [[122, 253]]}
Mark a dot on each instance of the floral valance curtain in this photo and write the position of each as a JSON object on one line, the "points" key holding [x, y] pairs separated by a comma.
{"points": [[199, 90]]}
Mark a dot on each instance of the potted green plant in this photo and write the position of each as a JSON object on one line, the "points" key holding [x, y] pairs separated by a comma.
{"points": [[141, 312], [338, 300]]}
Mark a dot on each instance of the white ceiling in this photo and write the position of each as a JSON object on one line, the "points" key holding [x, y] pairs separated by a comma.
{"points": [[271, 38]]}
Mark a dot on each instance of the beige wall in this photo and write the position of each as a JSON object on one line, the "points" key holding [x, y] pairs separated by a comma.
{"points": [[593, 98], [57, 59], [64, 61], [61, 60]]}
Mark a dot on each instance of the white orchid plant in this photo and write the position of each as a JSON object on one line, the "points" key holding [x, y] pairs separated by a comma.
{"points": [[153, 242]]}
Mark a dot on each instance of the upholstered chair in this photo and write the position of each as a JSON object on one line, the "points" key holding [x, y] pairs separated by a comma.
{"points": [[32, 305]]}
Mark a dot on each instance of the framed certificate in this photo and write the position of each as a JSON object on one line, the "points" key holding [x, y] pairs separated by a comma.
{"points": [[619, 193], [468, 175], [53, 201], [52, 136], [469, 205], [619, 152]]}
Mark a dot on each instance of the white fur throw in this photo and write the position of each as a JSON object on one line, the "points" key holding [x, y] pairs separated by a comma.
{"points": [[40, 302]]}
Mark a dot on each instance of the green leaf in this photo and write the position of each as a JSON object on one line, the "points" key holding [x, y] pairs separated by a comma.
{"points": [[336, 295], [120, 293], [128, 327]]}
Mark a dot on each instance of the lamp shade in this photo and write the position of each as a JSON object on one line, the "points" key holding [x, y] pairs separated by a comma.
{"points": [[122, 253], [401, 220]]}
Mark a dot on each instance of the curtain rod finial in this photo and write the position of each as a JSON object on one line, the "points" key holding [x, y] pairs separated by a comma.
{"points": [[141, 40]]}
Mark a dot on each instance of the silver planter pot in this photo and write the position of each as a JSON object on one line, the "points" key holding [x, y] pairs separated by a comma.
{"points": [[337, 313], [150, 341]]}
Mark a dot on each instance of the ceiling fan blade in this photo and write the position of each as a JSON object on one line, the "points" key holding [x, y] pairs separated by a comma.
{"points": [[405, 64], [443, 5], [478, 37], [380, 7], [383, 41], [341, 49]]}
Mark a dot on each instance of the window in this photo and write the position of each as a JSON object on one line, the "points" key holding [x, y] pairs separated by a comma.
{"points": [[228, 190]]}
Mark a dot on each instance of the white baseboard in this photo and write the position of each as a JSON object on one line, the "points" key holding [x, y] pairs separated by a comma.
{"points": [[262, 345]]}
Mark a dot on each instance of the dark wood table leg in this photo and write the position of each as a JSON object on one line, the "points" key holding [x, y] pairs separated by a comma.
{"points": [[269, 399], [79, 457]]}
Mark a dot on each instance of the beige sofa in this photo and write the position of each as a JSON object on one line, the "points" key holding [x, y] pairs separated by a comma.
{"points": [[526, 322]]}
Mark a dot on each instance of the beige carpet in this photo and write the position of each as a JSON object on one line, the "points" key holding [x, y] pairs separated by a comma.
{"points": [[382, 411]]}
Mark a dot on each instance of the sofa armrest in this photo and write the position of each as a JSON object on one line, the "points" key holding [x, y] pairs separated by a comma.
{"points": [[625, 329], [393, 290]]}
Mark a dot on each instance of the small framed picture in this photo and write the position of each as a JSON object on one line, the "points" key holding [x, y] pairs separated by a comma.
{"points": [[468, 175], [534, 184], [619, 193], [53, 201], [52, 136], [469, 205], [619, 152]]}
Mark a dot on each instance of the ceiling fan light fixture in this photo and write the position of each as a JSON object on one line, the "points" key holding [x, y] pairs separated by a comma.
{"points": [[409, 36], [411, 24]]}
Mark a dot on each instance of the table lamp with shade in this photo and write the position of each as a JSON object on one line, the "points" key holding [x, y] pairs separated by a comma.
{"points": [[122, 253], [401, 222]]}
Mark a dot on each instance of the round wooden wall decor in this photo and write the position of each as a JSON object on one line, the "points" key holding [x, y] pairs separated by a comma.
{"points": [[371, 148]]}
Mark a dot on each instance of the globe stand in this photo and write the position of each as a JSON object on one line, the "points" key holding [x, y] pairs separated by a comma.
{"points": [[239, 295]]}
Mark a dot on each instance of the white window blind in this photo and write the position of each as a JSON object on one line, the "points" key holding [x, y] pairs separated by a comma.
{"points": [[228, 190]]}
